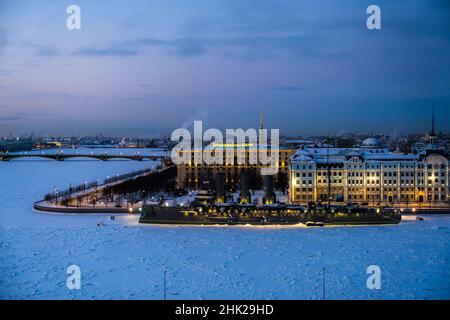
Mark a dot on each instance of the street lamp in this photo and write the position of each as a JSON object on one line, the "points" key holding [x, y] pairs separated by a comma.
{"points": [[55, 195], [436, 181]]}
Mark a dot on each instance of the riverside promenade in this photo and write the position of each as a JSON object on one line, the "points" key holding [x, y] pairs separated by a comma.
{"points": [[54, 203]]}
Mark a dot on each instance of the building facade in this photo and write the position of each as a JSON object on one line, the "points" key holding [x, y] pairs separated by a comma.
{"points": [[374, 176], [244, 157], [201, 176]]}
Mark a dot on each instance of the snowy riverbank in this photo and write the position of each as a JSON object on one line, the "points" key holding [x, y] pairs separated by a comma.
{"points": [[124, 260]]}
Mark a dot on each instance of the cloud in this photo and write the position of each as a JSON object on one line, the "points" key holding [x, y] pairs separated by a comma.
{"points": [[179, 47], [37, 95], [46, 52], [187, 47], [293, 29], [247, 47], [286, 88], [114, 50], [134, 96], [5, 72], [24, 115], [11, 118], [3, 40]]}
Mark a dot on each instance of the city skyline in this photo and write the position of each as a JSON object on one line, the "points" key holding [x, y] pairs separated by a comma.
{"points": [[225, 158], [149, 68]]}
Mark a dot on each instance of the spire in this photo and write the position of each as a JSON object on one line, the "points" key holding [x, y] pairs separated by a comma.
{"points": [[432, 124], [433, 136], [261, 121]]}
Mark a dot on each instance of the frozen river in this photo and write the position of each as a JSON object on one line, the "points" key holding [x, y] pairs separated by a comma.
{"points": [[124, 260]]}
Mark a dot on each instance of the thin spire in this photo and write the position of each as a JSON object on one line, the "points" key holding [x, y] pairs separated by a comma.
{"points": [[433, 136], [261, 126], [433, 133]]}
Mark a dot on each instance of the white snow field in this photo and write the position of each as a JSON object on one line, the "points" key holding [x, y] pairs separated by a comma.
{"points": [[124, 260]]}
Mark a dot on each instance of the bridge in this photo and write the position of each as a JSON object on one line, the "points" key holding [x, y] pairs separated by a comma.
{"points": [[62, 156]]}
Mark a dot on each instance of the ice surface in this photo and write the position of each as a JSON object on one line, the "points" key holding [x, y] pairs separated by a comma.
{"points": [[122, 259]]}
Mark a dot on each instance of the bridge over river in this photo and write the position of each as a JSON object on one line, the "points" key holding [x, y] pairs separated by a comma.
{"points": [[63, 156]]}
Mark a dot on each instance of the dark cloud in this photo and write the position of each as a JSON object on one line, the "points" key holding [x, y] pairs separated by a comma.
{"points": [[11, 118], [47, 52], [255, 47], [36, 95], [317, 59], [106, 51], [295, 29]]}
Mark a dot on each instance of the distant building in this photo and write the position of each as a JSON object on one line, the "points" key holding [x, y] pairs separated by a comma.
{"points": [[16, 145], [372, 143]]}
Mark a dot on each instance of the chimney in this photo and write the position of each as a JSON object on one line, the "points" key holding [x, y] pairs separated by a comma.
{"points": [[245, 191], [269, 196], [220, 187]]}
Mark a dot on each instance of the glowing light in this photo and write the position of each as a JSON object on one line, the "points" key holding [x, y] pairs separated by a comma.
{"points": [[232, 145]]}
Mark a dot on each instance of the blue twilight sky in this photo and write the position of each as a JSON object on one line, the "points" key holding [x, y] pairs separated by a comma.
{"points": [[146, 67]]}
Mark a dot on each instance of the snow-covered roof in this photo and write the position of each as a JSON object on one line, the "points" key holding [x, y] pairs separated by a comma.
{"points": [[299, 141], [372, 143], [390, 156], [302, 156], [340, 155]]}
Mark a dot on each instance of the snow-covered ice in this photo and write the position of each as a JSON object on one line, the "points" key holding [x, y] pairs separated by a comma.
{"points": [[122, 259]]}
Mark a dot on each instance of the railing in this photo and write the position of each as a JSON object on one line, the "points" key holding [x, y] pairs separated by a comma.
{"points": [[85, 187]]}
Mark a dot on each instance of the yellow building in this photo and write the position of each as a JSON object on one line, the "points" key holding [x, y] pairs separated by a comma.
{"points": [[201, 176], [373, 176]]}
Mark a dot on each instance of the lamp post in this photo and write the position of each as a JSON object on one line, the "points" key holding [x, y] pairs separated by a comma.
{"points": [[436, 181]]}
